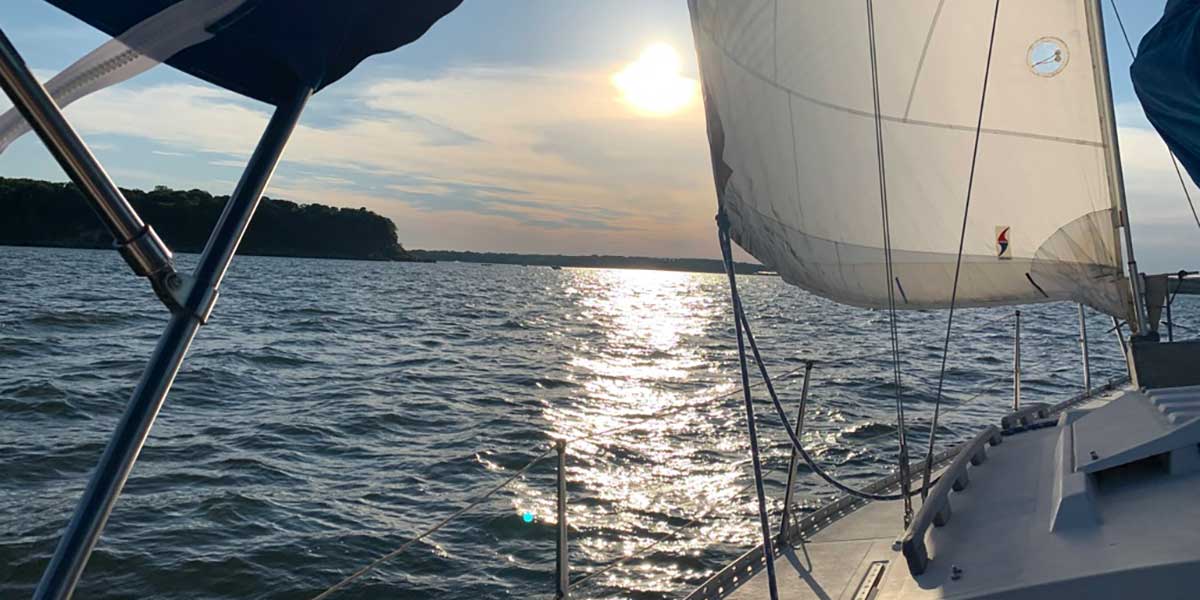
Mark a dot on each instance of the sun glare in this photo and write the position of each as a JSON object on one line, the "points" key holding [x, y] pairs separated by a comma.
{"points": [[652, 84]]}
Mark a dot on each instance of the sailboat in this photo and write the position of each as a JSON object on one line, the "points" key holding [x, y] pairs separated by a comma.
{"points": [[891, 154], [919, 154]]}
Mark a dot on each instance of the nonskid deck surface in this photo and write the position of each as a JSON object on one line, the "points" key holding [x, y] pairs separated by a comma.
{"points": [[1145, 545]]}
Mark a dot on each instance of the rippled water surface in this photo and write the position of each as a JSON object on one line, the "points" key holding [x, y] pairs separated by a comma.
{"points": [[333, 409]]}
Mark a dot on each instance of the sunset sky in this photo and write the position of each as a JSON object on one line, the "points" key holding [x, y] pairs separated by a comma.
{"points": [[526, 126]]}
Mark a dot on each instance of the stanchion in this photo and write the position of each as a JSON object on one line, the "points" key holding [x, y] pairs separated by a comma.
{"points": [[1083, 345], [564, 569], [794, 463], [1017, 363]]}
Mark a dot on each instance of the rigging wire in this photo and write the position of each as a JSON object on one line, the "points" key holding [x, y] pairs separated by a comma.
{"points": [[546, 451], [962, 238], [793, 443], [751, 429], [905, 483], [1171, 153], [663, 538], [905, 494], [673, 411], [958, 406], [787, 375], [743, 327]]}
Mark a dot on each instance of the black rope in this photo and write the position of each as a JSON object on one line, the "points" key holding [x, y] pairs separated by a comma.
{"points": [[1171, 153], [795, 440], [962, 238], [905, 483], [743, 328], [751, 429]]}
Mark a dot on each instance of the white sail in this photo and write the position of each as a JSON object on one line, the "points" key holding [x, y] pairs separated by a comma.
{"points": [[791, 117]]}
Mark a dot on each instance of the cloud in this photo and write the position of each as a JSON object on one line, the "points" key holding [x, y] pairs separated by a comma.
{"points": [[529, 159], [1165, 233], [519, 152]]}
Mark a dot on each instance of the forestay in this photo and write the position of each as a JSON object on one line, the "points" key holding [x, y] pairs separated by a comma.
{"points": [[791, 119]]}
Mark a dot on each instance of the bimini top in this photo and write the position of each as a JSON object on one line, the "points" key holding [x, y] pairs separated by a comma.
{"points": [[1166, 80], [267, 49]]}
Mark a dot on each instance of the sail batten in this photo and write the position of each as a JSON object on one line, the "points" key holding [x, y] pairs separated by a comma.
{"points": [[791, 118]]}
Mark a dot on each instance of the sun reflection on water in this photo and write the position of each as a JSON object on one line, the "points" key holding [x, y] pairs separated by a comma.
{"points": [[656, 434], [652, 329]]}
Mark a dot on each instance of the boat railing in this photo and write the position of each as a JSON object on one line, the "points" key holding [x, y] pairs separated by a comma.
{"points": [[796, 525], [722, 582]]}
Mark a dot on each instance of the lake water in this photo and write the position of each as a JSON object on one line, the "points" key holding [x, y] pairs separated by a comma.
{"points": [[333, 409]]}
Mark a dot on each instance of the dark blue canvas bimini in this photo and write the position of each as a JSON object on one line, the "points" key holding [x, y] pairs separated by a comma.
{"points": [[267, 49], [1166, 76]]}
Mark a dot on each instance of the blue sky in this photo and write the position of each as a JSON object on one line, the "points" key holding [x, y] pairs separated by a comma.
{"points": [[499, 130]]}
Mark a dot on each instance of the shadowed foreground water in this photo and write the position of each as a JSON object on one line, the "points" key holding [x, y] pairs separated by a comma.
{"points": [[333, 409]]}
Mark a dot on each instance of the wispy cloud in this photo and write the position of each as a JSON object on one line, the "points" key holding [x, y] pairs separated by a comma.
{"points": [[526, 153], [531, 159], [1164, 230]]}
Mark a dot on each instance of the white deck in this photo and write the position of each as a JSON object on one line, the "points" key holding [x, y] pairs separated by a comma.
{"points": [[1146, 544]]}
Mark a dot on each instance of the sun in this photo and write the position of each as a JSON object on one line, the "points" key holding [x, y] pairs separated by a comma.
{"points": [[653, 85]]}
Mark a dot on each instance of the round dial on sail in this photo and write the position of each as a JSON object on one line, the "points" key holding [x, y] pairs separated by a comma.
{"points": [[1048, 56]]}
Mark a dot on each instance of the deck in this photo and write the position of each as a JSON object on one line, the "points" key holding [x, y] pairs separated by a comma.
{"points": [[998, 544]]}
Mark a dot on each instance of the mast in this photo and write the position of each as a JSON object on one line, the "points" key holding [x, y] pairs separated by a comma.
{"points": [[1112, 153]]}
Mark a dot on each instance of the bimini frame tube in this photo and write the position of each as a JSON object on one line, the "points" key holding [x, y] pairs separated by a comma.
{"points": [[71, 555], [145, 252]]}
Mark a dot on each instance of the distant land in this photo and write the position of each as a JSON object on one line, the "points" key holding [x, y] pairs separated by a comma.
{"points": [[595, 261], [44, 213]]}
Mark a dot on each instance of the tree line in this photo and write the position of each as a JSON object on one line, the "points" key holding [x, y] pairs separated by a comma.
{"points": [[44, 213]]}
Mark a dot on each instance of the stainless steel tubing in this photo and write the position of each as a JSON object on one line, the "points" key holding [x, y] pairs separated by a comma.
{"points": [[563, 583], [1017, 363], [70, 557], [794, 463], [1083, 346], [145, 252]]}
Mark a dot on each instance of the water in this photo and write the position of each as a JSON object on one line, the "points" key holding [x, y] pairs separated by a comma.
{"points": [[333, 409]]}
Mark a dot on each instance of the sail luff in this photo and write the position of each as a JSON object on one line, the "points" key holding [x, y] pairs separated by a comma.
{"points": [[1116, 175]]}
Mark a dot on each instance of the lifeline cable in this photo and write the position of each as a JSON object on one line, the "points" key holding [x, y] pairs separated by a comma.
{"points": [[743, 325], [962, 238], [431, 530], [762, 368], [659, 540]]}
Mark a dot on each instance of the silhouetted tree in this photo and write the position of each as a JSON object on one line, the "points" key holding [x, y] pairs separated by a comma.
{"points": [[42, 213]]}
